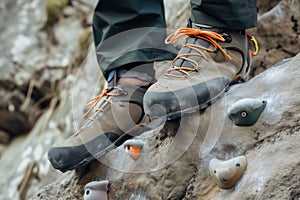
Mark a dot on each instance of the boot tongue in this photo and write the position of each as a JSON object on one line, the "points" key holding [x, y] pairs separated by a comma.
{"points": [[186, 50]]}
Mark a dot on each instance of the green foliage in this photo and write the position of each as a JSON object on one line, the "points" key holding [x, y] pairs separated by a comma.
{"points": [[54, 9], [85, 39]]}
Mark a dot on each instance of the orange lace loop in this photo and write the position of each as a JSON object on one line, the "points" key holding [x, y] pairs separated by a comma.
{"points": [[181, 69], [92, 103], [208, 36]]}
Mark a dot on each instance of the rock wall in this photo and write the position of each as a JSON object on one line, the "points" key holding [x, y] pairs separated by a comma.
{"points": [[32, 64], [174, 164], [277, 32], [40, 68], [38, 63]]}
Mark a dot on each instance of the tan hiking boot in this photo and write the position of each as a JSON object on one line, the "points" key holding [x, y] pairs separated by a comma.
{"points": [[112, 115], [205, 66]]}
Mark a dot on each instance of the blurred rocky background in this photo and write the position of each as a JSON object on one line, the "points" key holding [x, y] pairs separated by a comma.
{"points": [[48, 71]]}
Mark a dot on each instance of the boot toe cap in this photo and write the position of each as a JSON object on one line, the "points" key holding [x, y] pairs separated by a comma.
{"points": [[161, 101]]}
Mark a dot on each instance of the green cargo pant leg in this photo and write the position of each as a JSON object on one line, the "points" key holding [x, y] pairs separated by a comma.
{"points": [[130, 32], [226, 14]]}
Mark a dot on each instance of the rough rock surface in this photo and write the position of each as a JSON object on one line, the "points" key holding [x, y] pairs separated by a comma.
{"points": [[37, 89], [176, 167], [278, 33], [36, 82], [32, 66]]}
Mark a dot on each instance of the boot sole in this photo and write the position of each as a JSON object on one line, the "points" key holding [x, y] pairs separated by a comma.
{"points": [[200, 107], [135, 131], [139, 129]]}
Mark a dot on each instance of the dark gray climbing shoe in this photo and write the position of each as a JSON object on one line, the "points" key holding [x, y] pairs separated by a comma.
{"points": [[111, 120], [210, 60]]}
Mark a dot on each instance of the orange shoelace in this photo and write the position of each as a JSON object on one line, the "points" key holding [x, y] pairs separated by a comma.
{"points": [[208, 36], [92, 103]]}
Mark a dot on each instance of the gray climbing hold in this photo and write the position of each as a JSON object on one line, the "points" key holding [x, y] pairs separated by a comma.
{"points": [[96, 190], [133, 148], [246, 112], [227, 173]]}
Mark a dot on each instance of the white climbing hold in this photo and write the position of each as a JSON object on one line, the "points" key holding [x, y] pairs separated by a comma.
{"points": [[96, 190], [227, 173]]}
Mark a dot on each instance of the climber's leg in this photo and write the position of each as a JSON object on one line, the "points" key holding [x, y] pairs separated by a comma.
{"points": [[225, 14], [129, 33], [129, 36]]}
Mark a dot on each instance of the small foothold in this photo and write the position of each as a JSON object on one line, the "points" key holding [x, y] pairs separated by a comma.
{"points": [[227, 173], [133, 148], [96, 190], [246, 112]]}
